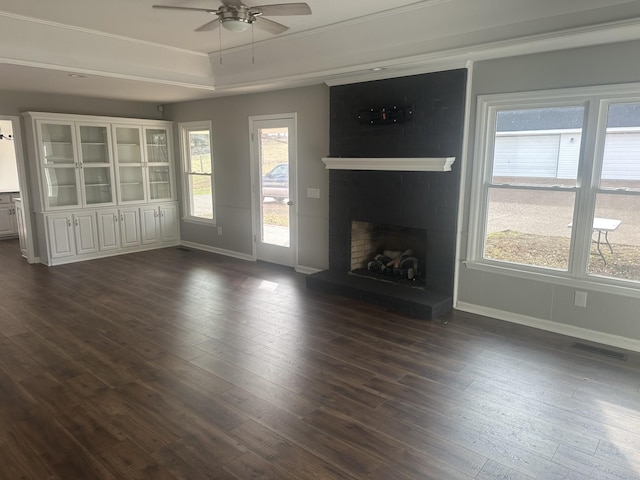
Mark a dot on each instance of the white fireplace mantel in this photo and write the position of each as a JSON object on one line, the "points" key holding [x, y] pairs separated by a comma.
{"points": [[423, 164]]}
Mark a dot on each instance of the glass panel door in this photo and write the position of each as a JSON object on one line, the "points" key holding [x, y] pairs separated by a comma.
{"points": [[274, 185], [95, 164], [59, 165], [131, 178], [273, 156], [159, 183], [157, 145]]}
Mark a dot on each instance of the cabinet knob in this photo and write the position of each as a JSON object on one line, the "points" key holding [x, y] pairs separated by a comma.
{"points": [[121, 217], [68, 223], [115, 218]]}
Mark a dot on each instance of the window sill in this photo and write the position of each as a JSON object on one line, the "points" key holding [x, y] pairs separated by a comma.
{"points": [[593, 283]]}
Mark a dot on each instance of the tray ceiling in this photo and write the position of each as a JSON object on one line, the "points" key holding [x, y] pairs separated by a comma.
{"points": [[128, 50]]}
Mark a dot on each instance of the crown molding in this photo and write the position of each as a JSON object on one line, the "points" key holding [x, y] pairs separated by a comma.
{"points": [[100, 73], [89, 31]]}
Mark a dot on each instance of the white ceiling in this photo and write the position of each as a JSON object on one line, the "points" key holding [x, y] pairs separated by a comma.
{"points": [[127, 50]]}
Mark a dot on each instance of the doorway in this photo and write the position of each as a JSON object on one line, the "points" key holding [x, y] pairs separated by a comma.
{"points": [[273, 166], [14, 179]]}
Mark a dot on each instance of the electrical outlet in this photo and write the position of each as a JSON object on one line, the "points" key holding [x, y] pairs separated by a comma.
{"points": [[580, 299], [219, 230], [313, 193]]}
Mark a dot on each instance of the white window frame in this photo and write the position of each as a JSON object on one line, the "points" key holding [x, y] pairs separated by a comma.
{"points": [[596, 101], [185, 128]]}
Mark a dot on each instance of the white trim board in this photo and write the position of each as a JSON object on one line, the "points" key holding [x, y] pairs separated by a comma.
{"points": [[219, 251], [555, 327]]}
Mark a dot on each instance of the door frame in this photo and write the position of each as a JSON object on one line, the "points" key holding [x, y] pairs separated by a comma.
{"points": [[23, 183], [293, 182]]}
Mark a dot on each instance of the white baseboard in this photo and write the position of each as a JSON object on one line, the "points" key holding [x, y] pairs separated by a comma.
{"points": [[548, 325], [219, 251]]}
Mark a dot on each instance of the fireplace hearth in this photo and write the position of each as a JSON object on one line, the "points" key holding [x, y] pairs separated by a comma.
{"points": [[382, 178]]}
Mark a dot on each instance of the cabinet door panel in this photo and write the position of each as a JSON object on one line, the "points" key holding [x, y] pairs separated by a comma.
{"points": [[169, 223], [131, 169], [59, 164], [129, 227], [108, 230], [6, 224], [61, 241], [86, 237], [150, 225]]}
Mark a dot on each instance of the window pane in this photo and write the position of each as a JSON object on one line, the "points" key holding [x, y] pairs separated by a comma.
{"points": [[615, 249], [199, 152], [529, 227], [538, 146], [621, 159], [201, 193]]}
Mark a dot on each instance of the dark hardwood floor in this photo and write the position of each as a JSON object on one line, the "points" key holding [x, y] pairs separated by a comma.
{"points": [[174, 364]]}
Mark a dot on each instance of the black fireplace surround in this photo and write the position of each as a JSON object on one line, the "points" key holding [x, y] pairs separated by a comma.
{"points": [[421, 200]]}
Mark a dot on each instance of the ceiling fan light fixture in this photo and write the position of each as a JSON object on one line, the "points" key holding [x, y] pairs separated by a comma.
{"points": [[236, 24]]}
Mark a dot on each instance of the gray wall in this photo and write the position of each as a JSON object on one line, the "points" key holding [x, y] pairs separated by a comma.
{"points": [[535, 302], [230, 125], [14, 103]]}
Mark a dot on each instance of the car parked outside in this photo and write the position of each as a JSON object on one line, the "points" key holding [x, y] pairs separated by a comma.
{"points": [[275, 184]]}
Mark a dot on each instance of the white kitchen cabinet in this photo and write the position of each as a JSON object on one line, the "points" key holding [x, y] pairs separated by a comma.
{"points": [[104, 185], [8, 221]]}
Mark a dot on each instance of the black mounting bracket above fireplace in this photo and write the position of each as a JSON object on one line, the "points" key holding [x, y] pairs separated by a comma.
{"points": [[385, 115]]}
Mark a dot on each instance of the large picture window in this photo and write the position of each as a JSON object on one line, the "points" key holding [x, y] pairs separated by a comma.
{"points": [[198, 172], [557, 185]]}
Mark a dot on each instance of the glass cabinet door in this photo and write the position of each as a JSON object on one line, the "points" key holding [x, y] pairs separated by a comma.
{"points": [[158, 169], [128, 153], [95, 164], [59, 164]]}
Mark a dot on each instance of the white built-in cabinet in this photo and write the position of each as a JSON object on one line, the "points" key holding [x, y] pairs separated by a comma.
{"points": [[103, 185]]}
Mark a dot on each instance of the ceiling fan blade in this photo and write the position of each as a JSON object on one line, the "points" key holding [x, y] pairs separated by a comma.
{"points": [[284, 9], [270, 26], [208, 26], [169, 7]]}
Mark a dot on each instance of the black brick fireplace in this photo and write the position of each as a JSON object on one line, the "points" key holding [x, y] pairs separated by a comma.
{"points": [[422, 200]]}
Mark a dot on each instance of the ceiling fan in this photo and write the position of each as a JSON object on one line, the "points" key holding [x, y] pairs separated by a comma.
{"points": [[238, 17]]}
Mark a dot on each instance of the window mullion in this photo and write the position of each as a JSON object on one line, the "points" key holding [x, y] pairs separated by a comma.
{"points": [[590, 154]]}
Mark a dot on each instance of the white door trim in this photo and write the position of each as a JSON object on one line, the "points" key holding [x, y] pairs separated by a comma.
{"points": [[293, 182]]}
